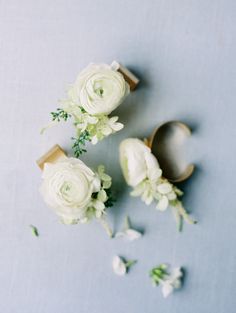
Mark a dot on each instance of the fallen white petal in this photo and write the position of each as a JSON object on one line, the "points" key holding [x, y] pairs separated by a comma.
{"points": [[132, 234], [177, 273], [118, 265], [167, 289]]}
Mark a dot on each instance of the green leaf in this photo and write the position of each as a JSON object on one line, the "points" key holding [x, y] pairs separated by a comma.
{"points": [[34, 230], [110, 200], [79, 143]]}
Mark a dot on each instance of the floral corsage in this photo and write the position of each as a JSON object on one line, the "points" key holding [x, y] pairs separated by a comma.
{"points": [[75, 192], [98, 90], [142, 172]]}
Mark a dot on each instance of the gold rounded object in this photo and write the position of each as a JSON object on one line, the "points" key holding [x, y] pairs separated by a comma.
{"points": [[165, 143]]}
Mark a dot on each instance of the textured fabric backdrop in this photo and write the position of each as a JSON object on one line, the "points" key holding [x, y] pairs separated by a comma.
{"points": [[184, 53]]}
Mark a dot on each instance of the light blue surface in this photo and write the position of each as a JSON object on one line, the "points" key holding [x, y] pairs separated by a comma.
{"points": [[184, 54]]}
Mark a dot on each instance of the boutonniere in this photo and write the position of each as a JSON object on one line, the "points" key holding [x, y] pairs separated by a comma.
{"points": [[98, 90], [75, 192], [143, 173]]}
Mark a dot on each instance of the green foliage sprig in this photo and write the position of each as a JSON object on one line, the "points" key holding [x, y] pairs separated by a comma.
{"points": [[79, 143], [59, 115], [110, 199]]}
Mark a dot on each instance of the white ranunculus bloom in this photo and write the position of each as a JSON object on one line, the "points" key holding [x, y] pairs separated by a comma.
{"points": [[67, 187], [142, 172], [99, 89], [137, 162]]}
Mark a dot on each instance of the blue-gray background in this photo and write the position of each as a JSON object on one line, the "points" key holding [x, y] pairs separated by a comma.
{"points": [[184, 53]]}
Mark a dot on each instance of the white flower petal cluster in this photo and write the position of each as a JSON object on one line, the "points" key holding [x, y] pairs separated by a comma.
{"points": [[168, 281], [142, 172], [74, 191], [97, 126], [171, 282]]}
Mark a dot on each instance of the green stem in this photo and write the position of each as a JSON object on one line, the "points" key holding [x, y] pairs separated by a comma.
{"points": [[127, 222], [130, 263], [106, 226], [184, 214]]}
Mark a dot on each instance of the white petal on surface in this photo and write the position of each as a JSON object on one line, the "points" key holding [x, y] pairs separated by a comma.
{"points": [[120, 234], [167, 289], [177, 273], [164, 188], [132, 234], [118, 266], [163, 204], [177, 284]]}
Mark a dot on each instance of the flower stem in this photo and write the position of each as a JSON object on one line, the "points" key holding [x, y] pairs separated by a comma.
{"points": [[130, 263], [127, 222], [184, 214], [106, 226]]}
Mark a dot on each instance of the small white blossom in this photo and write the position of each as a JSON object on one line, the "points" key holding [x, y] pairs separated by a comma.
{"points": [[129, 233], [171, 282], [118, 265], [168, 281], [121, 266]]}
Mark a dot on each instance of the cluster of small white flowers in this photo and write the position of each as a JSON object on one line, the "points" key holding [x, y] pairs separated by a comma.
{"points": [[159, 189], [142, 172], [168, 281], [97, 205], [97, 126]]}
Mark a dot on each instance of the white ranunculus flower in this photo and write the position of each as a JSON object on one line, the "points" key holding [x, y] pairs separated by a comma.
{"points": [[137, 162], [142, 172], [99, 89], [67, 187]]}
